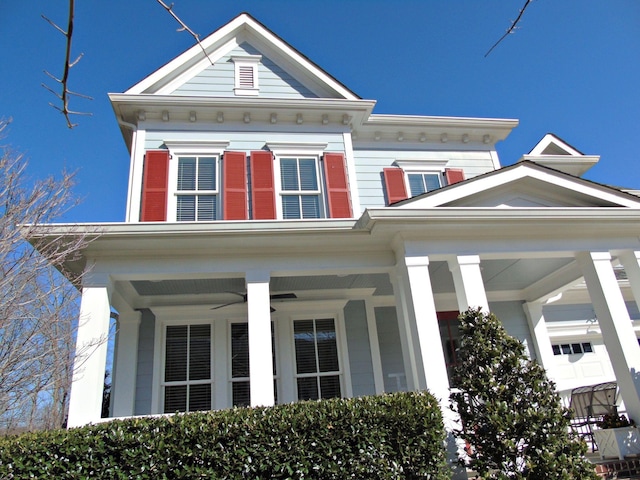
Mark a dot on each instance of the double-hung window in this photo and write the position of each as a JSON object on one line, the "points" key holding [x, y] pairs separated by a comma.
{"points": [[318, 372], [197, 188], [422, 182], [300, 188], [187, 381]]}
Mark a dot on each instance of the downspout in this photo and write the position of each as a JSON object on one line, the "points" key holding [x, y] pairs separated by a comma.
{"points": [[134, 135]]}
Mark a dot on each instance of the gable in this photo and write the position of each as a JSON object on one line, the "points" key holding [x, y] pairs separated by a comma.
{"points": [[286, 73], [219, 79], [551, 151], [524, 185]]}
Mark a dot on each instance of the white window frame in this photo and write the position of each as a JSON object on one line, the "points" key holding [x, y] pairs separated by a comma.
{"points": [[163, 348], [182, 148], [282, 150], [244, 64], [571, 349], [422, 167]]}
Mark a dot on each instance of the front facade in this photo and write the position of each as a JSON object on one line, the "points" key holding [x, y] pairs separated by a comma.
{"points": [[284, 243]]}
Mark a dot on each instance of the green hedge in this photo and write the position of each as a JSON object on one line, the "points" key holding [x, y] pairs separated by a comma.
{"points": [[383, 437]]}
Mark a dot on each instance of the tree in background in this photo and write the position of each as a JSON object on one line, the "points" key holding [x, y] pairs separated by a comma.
{"points": [[510, 412], [38, 305]]}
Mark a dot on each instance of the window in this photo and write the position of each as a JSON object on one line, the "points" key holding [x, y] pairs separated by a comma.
{"points": [[300, 188], [317, 366], [187, 382], [572, 348], [197, 189], [240, 384], [423, 182], [246, 74]]}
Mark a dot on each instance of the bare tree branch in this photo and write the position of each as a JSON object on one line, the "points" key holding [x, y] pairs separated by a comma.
{"points": [[184, 27], [512, 28], [64, 81]]}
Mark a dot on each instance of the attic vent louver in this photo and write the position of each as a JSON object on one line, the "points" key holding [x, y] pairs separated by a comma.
{"points": [[246, 74]]}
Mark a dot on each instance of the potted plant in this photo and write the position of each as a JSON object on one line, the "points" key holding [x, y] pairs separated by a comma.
{"points": [[616, 436]]}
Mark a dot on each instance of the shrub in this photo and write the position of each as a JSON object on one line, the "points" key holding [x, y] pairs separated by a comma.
{"points": [[510, 412], [383, 437]]}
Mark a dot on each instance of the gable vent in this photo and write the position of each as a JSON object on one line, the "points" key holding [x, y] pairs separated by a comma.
{"points": [[245, 76]]}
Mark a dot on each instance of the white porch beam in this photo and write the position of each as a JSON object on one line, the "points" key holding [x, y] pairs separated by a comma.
{"points": [[468, 283], [615, 324], [631, 262], [125, 362], [85, 398], [260, 353], [540, 336]]}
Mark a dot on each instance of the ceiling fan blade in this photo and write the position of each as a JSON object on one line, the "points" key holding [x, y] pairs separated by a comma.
{"points": [[272, 309], [279, 296], [226, 305]]}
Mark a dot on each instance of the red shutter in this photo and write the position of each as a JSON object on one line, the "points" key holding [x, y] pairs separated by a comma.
{"points": [[335, 173], [394, 182], [263, 193], [155, 186], [454, 175], [234, 186]]}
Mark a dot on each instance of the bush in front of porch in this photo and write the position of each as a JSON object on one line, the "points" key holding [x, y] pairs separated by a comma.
{"points": [[511, 415], [396, 436]]}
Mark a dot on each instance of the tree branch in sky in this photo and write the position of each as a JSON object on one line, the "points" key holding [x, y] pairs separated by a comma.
{"points": [[63, 81], [184, 27], [511, 29]]}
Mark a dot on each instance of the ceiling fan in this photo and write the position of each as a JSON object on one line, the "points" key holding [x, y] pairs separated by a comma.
{"points": [[245, 296]]}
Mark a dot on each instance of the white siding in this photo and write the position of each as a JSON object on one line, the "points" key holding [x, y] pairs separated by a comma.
{"points": [[218, 80], [360, 363]]}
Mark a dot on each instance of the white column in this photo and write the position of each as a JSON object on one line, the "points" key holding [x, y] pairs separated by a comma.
{"points": [[85, 398], [540, 335], [631, 263], [374, 346], [468, 283], [260, 354], [615, 324], [430, 349], [125, 363], [427, 329]]}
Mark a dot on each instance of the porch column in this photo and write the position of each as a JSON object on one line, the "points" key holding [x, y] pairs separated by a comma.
{"points": [[422, 304], [631, 262], [260, 354], [85, 398], [540, 335], [468, 283], [615, 324], [125, 363]]}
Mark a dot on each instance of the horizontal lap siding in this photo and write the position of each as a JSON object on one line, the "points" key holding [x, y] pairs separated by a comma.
{"points": [[144, 371], [390, 349], [360, 363], [218, 80], [369, 165]]}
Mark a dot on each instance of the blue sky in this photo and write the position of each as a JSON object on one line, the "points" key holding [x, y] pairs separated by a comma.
{"points": [[573, 68]]}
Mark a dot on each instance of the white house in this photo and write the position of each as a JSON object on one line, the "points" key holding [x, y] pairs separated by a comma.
{"points": [[283, 242]]}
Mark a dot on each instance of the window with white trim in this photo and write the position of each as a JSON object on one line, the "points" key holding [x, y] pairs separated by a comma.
{"points": [[318, 374], [246, 74], [197, 190], [300, 188], [239, 377], [572, 348], [187, 382], [422, 182]]}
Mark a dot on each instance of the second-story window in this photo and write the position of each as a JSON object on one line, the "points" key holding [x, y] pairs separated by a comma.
{"points": [[300, 191], [197, 189], [424, 182]]}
